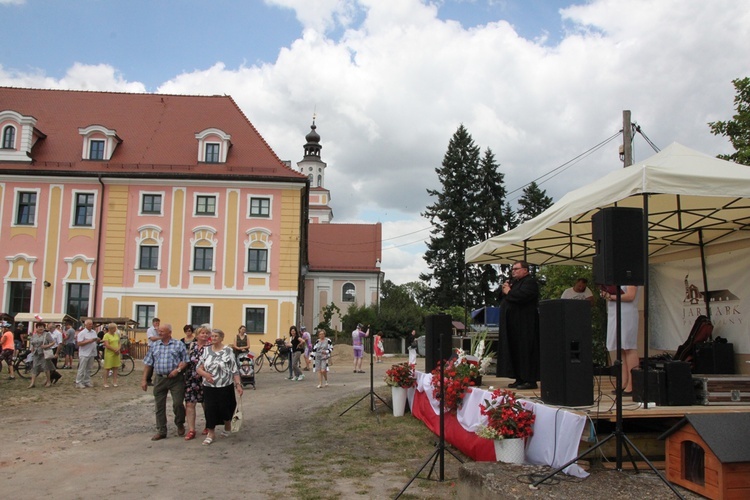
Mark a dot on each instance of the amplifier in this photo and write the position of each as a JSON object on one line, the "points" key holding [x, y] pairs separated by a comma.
{"points": [[657, 386], [714, 357]]}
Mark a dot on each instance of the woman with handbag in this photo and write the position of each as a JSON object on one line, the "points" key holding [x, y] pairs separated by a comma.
{"points": [[194, 382], [41, 343], [221, 377]]}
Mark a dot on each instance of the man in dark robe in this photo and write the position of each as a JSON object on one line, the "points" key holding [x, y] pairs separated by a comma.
{"points": [[518, 355]]}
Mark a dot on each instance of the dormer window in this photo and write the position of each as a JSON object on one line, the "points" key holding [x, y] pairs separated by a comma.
{"points": [[212, 152], [17, 136], [96, 149], [99, 142], [213, 145], [9, 137]]}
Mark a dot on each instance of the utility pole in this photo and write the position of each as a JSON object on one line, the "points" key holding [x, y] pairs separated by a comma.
{"points": [[627, 139]]}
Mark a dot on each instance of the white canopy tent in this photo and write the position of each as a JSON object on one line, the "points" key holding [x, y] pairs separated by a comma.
{"points": [[693, 200], [694, 205]]}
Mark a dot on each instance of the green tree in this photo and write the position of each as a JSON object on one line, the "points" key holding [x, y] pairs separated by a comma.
{"points": [[490, 222], [452, 216], [738, 128], [533, 202], [367, 315], [399, 313], [328, 313], [417, 290]]}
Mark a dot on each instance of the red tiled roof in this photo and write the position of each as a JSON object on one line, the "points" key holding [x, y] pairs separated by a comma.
{"points": [[344, 247], [157, 132]]}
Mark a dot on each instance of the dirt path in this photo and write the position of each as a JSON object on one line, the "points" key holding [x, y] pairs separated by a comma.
{"points": [[71, 443]]}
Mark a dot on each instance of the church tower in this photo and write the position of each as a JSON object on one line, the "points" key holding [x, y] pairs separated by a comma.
{"points": [[315, 170]]}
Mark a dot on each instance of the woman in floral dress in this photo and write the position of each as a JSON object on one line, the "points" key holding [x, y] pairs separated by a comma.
{"points": [[193, 381]]}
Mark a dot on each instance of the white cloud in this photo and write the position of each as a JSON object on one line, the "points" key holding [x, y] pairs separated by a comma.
{"points": [[390, 83], [12, 2]]}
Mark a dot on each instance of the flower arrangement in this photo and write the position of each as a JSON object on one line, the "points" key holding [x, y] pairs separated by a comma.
{"points": [[479, 353], [458, 376], [401, 375], [506, 418]]}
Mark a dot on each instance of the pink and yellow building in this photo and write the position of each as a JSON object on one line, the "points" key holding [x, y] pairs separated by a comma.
{"points": [[141, 205]]}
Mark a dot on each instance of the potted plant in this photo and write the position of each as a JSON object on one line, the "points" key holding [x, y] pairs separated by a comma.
{"points": [[508, 425], [400, 377]]}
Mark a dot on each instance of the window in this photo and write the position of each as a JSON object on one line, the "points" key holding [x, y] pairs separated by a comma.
{"points": [[260, 207], [9, 137], [257, 260], [203, 259], [78, 299], [151, 204], [84, 215], [149, 257], [26, 213], [200, 315], [144, 314], [96, 150], [205, 205], [348, 292], [19, 297], [212, 153], [255, 320]]}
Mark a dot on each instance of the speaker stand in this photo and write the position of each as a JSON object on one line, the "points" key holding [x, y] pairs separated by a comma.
{"points": [[372, 382], [621, 439], [440, 449]]}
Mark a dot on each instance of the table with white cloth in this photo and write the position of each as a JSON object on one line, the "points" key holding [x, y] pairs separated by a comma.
{"points": [[557, 431]]}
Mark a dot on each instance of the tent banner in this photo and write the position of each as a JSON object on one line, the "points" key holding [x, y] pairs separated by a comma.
{"points": [[676, 298]]}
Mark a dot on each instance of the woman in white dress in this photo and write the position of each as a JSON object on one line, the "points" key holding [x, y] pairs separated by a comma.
{"points": [[629, 297]]}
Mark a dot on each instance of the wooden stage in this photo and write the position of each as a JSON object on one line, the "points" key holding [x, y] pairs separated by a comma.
{"points": [[642, 425]]}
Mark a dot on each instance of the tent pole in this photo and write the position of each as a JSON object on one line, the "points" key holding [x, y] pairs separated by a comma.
{"points": [[706, 296], [645, 298]]}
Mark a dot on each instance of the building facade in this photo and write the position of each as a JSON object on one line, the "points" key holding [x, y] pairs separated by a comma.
{"points": [[344, 259], [139, 205]]}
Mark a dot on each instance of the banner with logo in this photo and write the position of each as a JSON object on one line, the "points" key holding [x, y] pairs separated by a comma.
{"points": [[676, 298]]}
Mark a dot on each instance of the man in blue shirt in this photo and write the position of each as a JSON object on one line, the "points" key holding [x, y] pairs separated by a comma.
{"points": [[166, 359]]}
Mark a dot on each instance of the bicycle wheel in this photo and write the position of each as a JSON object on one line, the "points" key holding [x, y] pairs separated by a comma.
{"points": [[280, 363], [259, 363], [95, 366], [22, 368], [127, 365]]}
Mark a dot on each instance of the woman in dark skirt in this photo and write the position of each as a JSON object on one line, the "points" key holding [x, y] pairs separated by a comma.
{"points": [[193, 381], [221, 377]]}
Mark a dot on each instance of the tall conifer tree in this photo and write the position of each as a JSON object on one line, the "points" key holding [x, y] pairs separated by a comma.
{"points": [[454, 223]]}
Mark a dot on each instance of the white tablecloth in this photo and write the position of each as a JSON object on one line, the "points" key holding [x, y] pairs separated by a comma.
{"points": [[557, 431]]}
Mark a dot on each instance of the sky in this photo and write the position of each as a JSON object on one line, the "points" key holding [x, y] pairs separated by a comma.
{"points": [[542, 83]]}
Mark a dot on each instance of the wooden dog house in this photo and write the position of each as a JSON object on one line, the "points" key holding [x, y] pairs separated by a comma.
{"points": [[710, 454]]}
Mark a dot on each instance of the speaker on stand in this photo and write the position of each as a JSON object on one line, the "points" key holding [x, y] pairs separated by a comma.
{"points": [[437, 326], [618, 236], [567, 368]]}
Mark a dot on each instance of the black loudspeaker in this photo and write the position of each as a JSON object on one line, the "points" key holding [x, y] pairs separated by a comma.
{"points": [[567, 368], [619, 237], [438, 326], [657, 386], [680, 391], [714, 357]]}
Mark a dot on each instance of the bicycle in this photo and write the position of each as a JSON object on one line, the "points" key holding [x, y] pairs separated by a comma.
{"points": [[127, 365], [279, 360], [22, 363]]}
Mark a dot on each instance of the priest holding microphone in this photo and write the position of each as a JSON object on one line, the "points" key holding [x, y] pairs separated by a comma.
{"points": [[518, 352]]}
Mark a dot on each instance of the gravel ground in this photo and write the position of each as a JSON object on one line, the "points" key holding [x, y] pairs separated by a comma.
{"points": [[71, 443]]}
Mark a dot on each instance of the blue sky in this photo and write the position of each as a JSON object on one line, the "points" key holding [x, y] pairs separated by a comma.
{"points": [[537, 81]]}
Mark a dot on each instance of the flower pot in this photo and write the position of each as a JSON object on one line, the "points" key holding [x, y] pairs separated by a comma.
{"points": [[510, 451], [399, 401]]}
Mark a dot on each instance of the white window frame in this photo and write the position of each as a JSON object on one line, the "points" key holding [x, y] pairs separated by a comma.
{"points": [[73, 207], [16, 201]]}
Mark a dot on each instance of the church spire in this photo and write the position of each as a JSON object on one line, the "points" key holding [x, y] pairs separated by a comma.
{"points": [[313, 147]]}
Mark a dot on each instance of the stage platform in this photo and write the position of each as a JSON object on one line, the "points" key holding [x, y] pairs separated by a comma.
{"points": [[642, 425]]}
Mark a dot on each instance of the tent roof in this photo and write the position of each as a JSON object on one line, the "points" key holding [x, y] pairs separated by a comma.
{"points": [[46, 318], [687, 191]]}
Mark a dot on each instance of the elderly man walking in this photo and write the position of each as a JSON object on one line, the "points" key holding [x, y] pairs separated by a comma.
{"points": [[166, 359], [87, 341]]}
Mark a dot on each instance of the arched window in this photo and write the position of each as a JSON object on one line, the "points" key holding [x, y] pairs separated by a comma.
{"points": [[320, 180], [348, 292], [9, 137]]}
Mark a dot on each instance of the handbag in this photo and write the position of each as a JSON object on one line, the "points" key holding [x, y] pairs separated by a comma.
{"points": [[237, 417], [49, 354]]}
